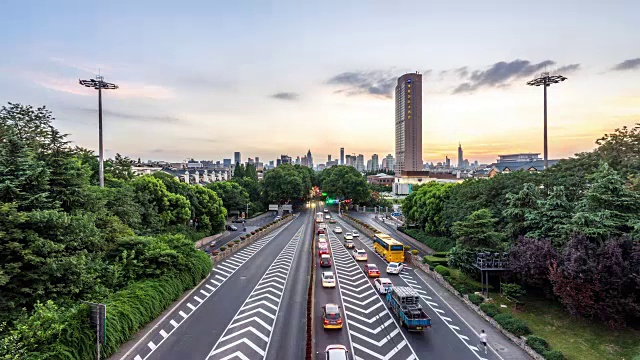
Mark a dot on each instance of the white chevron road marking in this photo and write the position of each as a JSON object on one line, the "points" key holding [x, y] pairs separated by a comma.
{"points": [[237, 354], [256, 311], [373, 331], [248, 342], [366, 311]]}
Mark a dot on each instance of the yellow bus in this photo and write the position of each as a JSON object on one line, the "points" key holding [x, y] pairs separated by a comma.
{"points": [[391, 249]]}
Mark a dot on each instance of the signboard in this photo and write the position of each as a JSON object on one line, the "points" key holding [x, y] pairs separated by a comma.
{"points": [[287, 207], [396, 214], [273, 207], [243, 214]]}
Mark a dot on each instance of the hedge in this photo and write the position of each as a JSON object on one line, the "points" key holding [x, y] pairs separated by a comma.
{"points": [[490, 309], [434, 261], [414, 252], [538, 344], [434, 242], [442, 270], [513, 325], [476, 299], [442, 254]]}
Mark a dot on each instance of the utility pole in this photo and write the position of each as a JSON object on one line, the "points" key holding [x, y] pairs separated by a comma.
{"points": [[546, 80], [99, 84]]}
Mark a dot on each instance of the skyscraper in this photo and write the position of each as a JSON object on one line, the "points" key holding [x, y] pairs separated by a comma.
{"points": [[329, 158], [409, 123], [309, 159], [374, 162], [236, 157], [360, 163], [460, 157], [341, 156]]}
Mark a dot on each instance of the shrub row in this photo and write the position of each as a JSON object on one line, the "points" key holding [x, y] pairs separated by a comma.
{"points": [[442, 244], [512, 324], [476, 299], [442, 254], [434, 261], [442, 270], [361, 223]]}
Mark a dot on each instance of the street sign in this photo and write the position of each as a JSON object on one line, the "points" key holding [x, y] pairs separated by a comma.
{"points": [[287, 207], [243, 214], [273, 207]]}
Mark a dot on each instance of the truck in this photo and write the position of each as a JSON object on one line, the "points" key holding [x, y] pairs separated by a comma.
{"points": [[404, 302]]}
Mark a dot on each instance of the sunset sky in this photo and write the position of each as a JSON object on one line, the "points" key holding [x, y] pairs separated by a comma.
{"points": [[202, 79]]}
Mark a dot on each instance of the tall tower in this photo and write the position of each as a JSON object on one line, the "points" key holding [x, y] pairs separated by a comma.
{"points": [[309, 159], [409, 123], [341, 156], [236, 157], [460, 157]]}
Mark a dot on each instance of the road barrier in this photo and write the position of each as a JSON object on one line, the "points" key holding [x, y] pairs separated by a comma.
{"points": [[312, 280], [249, 239]]}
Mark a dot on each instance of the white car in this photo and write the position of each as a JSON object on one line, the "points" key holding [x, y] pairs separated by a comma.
{"points": [[322, 236], [355, 233], [395, 268], [328, 279], [327, 216], [337, 230], [360, 255], [383, 285], [348, 236], [336, 352]]}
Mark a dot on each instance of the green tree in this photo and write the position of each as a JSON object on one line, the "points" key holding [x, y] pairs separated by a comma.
{"points": [[286, 183], [345, 182], [239, 171], [120, 168], [234, 197], [519, 206], [608, 208], [477, 231], [550, 218], [425, 206], [250, 172]]}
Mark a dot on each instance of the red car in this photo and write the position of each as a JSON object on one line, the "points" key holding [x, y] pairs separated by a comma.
{"points": [[323, 250], [321, 231], [372, 270]]}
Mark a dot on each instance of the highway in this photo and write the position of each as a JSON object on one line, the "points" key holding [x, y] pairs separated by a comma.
{"points": [[252, 306], [372, 331]]}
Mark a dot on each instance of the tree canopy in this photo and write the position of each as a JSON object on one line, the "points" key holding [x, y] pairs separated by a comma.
{"points": [[345, 182]]}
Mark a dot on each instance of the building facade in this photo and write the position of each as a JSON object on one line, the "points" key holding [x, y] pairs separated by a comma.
{"points": [[375, 164], [408, 121], [360, 163], [341, 156], [237, 159], [460, 157]]}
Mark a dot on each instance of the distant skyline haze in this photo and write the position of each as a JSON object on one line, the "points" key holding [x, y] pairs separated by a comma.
{"points": [[204, 79]]}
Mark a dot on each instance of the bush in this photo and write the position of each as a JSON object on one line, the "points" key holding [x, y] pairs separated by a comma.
{"points": [[242, 237], [490, 309], [435, 261], [236, 241], [414, 252], [435, 242], [253, 233], [407, 248], [476, 299], [442, 270], [513, 291], [223, 248], [538, 344], [554, 355], [442, 254], [513, 325]]}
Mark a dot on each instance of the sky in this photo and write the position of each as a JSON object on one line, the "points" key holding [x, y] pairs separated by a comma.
{"points": [[202, 79]]}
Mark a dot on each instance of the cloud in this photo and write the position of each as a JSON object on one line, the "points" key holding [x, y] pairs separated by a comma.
{"points": [[568, 68], [133, 116], [502, 73], [630, 64], [290, 96], [376, 83]]}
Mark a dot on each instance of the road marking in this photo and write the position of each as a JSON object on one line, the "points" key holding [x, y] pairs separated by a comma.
{"points": [[174, 323], [163, 333], [191, 306], [210, 287], [200, 300], [183, 314], [151, 345]]}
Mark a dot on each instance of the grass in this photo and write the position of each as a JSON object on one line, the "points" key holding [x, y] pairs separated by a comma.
{"points": [[577, 338], [437, 243]]}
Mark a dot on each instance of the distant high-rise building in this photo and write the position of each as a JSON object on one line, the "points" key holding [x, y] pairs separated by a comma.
{"points": [[278, 162], [369, 166], [226, 163], [297, 160], [409, 123], [360, 163], [329, 158], [304, 161], [341, 156], [257, 159], [285, 159], [271, 164], [250, 161], [309, 159], [388, 163], [447, 161], [236, 158], [374, 162], [460, 157]]}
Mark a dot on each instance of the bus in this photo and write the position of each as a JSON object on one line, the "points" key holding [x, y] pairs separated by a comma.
{"points": [[392, 250], [319, 217]]}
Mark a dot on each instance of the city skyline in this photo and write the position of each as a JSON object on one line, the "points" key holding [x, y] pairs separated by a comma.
{"points": [[180, 99]]}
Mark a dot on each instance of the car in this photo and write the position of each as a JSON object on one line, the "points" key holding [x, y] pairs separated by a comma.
{"points": [[348, 236], [322, 226], [372, 270], [360, 255], [395, 268], [331, 317], [325, 210], [355, 233], [323, 250], [336, 352], [238, 220], [231, 227], [383, 285], [328, 279], [349, 244], [327, 216], [337, 230], [332, 221], [277, 217], [321, 231], [322, 236], [323, 242], [325, 261]]}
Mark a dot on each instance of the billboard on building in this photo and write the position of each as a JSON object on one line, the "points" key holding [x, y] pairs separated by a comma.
{"points": [[273, 207]]}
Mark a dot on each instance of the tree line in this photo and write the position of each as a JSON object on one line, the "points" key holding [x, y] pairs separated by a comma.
{"points": [[572, 230]]}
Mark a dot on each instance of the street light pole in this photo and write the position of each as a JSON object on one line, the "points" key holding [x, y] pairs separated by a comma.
{"points": [[546, 80], [99, 84]]}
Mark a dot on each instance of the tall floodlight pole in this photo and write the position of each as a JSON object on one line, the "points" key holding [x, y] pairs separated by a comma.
{"points": [[98, 83], [546, 80]]}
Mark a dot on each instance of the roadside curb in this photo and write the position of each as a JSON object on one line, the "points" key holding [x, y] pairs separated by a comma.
{"points": [[519, 341], [311, 347]]}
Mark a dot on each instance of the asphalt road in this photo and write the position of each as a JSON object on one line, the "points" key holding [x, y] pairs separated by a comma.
{"points": [[251, 224], [237, 306], [448, 338]]}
